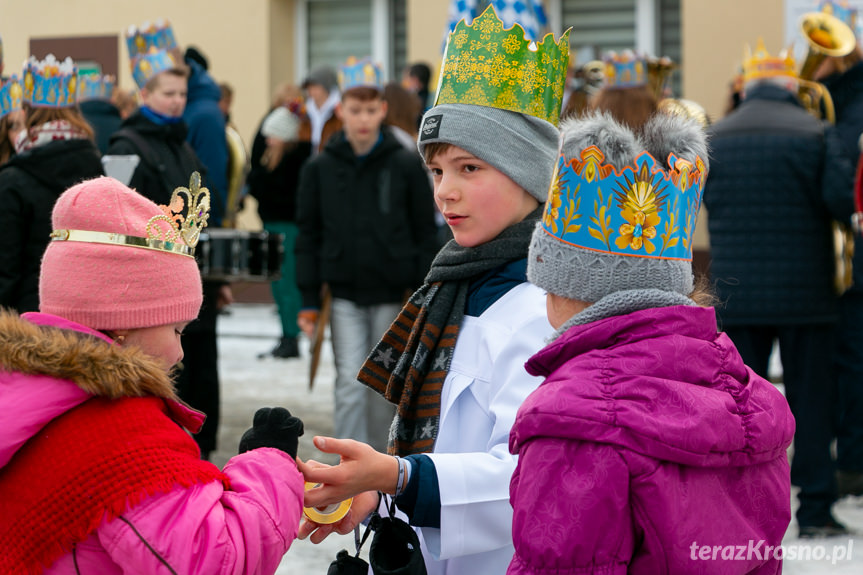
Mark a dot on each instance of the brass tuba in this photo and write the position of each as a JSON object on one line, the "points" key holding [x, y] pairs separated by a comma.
{"points": [[826, 36], [237, 168]]}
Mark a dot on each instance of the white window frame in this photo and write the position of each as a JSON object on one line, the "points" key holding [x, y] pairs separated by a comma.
{"points": [[646, 12], [381, 36]]}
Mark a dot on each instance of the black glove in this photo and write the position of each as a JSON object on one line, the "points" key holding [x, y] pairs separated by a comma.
{"points": [[273, 427]]}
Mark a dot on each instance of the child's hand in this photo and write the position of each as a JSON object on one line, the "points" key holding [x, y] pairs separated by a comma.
{"points": [[361, 507], [361, 469]]}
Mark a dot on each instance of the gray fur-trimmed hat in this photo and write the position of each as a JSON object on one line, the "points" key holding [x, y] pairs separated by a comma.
{"points": [[622, 208], [521, 146]]}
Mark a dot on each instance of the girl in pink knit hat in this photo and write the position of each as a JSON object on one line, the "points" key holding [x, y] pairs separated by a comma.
{"points": [[97, 470]]}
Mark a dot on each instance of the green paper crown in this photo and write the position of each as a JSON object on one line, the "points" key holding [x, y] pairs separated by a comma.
{"points": [[487, 65]]}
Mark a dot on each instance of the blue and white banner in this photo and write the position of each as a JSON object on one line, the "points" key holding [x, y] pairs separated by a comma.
{"points": [[530, 14]]}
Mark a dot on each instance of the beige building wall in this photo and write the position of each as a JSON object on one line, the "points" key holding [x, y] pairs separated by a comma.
{"points": [[249, 44], [426, 21], [713, 36]]}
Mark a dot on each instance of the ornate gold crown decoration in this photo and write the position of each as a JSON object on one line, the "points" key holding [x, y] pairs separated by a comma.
{"points": [[170, 231], [760, 64], [487, 65]]}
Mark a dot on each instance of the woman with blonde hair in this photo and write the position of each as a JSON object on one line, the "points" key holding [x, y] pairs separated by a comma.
{"points": [[54, 150]]}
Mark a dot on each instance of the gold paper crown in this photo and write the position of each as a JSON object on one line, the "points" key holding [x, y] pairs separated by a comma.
{"points": [[760, 64], [487, 65], [170, 231]]}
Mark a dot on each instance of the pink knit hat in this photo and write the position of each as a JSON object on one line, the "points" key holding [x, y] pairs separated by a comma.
{"points": [[109, 286]]}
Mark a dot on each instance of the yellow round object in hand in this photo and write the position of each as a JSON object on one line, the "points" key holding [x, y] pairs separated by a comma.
{"points": [[328, 514]]}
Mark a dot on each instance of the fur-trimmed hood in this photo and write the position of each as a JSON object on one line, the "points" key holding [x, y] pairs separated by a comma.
{"points": [[93, 365], [49, 365]]}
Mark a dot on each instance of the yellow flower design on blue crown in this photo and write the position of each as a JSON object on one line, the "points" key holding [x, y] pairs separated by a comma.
{"points": [[640, 203], [641, 209]]}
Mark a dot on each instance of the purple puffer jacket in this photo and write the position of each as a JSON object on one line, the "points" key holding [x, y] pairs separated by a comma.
{"points": [[203, 529], [649, 445]]}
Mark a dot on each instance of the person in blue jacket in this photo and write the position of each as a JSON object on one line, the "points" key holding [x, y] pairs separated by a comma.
{"points": [[206, 124]]}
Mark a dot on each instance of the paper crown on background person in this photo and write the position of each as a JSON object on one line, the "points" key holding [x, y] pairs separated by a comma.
{"points": [[158, 35], [172, 231], [625, 69], [760, 64], [356, 73], [95, 87], [487, 65], [145, 66], [647, 208], [11, 95], [842, 11], [50, 83]]}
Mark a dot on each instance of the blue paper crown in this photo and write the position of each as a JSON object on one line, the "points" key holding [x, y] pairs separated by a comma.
{"points": [[11, 95], [842, 11], [95, 87], [158, 35], [145, 66], [625, 70], [355, 73], [641, 210], [49, 83]]}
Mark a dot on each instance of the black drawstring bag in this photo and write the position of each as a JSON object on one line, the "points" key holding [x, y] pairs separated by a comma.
{"points": [[395, 549], [347, 564]]}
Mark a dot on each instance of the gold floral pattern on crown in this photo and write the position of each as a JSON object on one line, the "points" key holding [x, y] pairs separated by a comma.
{"points": [[487, 65], [182, 229]]}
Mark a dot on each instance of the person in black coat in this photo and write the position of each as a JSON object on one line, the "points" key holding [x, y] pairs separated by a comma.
{"points": [[777, 180], [277, 157], [365, 214], [156, 133], [843, 77], [57, 153], [94, 100]]}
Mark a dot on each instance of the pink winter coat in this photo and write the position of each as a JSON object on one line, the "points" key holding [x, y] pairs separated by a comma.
{"points": [[204, 529], [649, 444]]}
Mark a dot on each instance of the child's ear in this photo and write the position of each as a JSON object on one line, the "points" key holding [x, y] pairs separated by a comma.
{"points": [[384, 107], [338, 111]]}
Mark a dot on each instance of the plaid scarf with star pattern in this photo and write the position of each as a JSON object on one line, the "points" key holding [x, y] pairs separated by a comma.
{"points": [[410, 363]]}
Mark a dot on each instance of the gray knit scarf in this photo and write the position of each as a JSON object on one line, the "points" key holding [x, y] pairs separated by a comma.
{"points": [[410, 363]]}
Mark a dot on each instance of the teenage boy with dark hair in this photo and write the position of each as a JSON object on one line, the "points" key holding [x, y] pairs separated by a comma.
{"points": [[365, 215]]}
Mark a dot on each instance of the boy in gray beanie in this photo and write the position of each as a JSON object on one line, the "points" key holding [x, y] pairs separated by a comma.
{"points": [[453, 361], [648, 427]]}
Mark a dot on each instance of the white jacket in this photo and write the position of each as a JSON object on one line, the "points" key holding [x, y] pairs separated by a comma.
{"points": [[483, 390]]}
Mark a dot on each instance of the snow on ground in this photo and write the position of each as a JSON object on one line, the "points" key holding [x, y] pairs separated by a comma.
{"points": [[248, 383]]}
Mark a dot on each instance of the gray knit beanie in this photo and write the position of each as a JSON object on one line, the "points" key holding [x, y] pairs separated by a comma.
{"points": [[521, 146], [281, 124], [619, 216]]}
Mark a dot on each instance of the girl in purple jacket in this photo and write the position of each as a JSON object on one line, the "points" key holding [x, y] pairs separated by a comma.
{"points": [[650, 447], [98, 473]]}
